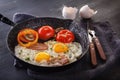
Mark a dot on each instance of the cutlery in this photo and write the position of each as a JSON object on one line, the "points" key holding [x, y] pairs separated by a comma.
{"points": [[98, 45], [94, 42]]}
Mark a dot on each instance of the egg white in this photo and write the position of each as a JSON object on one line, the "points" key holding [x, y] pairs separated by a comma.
{"points": [[74, 51]]}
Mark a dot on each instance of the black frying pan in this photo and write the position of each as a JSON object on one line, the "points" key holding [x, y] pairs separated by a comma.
{"points": [[35, 23]]}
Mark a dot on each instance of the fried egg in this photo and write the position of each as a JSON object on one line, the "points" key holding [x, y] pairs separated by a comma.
{"points": [[60, 47], [42, 56]]}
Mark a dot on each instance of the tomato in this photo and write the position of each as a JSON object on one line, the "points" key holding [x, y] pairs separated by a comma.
{"points": [[46, 32], [65, 36]]}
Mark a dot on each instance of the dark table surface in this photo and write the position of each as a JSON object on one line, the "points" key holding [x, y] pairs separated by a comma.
{"points": [[108, 10]]}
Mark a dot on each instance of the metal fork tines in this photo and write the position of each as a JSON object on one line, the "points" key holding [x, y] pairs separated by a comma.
{"points": [[97, 43]]}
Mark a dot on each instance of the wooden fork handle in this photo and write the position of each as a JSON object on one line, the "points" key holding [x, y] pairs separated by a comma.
{"points": [[100, 49], [93, 54]]}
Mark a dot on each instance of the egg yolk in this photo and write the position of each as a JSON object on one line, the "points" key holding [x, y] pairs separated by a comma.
{"points": [[60, 47], [42, 56]]}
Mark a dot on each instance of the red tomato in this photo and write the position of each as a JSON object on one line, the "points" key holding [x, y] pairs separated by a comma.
{"points": [[65, 36], [46, 32]]}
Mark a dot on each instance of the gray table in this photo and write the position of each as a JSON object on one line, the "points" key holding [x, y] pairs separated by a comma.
{"points": [[107, 11]]}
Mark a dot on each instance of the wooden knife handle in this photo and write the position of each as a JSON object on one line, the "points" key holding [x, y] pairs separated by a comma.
{"points": [[92, 53], [100, 49]]}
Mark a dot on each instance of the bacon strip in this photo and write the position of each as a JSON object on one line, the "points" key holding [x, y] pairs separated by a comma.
{"points": [[38, 46], [61, 59]]}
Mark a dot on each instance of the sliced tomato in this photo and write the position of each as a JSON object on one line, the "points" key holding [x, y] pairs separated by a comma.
{"points": [[65, 36], [46, 32]]}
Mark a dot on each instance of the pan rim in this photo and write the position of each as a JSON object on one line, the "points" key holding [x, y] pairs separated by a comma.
{"points": [[12, 53]]}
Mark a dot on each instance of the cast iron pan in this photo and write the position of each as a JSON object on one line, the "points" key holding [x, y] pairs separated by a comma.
{"points": [[35, 23]]}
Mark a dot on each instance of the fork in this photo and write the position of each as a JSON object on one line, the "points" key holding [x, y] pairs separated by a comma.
{"points": [[92, 51]]}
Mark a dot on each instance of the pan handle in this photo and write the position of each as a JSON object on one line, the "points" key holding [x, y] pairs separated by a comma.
{"points": [[6, 20]]}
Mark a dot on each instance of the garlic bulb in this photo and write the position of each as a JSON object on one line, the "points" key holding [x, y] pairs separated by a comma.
{"points": [[86, 12], [69, 12]]}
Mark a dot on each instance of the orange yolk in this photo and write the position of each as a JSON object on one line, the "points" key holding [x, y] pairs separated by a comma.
{"points": [[42, 56], [60, 47]]}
